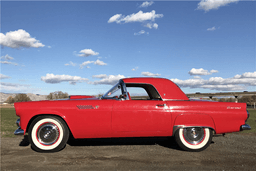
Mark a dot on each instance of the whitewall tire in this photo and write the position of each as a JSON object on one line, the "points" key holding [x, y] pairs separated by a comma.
{"points": [[48, 134], [193, 138]]}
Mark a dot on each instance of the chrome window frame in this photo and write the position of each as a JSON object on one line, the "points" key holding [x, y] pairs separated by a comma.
{"points": [[123, 91]]}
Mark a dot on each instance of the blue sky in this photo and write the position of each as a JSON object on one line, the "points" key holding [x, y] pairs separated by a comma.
{"points": [[203, 46]]}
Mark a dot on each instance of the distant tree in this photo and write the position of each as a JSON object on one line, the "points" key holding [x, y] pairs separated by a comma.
{"points": [[21, 98], [99, 95], [215, 99], [9, 100], [57, 95], [248, 99], [230, 99], [254, 98], [50, 96], [222, 100]]}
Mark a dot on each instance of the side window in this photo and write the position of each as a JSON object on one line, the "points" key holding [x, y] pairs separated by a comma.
{"points": [[138, 93]]}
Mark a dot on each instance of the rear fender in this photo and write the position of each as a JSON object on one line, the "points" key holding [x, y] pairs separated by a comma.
{"points": [[193, 120]]}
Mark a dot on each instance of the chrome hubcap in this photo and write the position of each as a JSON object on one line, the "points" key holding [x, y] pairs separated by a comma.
{"points": [[194, 135], [48, 134]]}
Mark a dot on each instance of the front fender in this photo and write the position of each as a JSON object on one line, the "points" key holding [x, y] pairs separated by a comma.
{"points": [[27, 119], [193, 120]]}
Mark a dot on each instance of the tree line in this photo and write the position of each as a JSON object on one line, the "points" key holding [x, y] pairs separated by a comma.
{"points": [[250, 100], [18, 98], [25, 98]]}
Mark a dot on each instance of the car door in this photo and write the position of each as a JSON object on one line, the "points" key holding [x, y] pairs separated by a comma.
{"points": [[140, 118], [92, 118]]}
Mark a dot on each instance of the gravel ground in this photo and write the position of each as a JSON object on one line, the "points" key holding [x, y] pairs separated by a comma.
{"points": [[232, 152]]}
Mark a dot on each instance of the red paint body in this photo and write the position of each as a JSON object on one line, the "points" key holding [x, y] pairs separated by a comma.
{"points": [[136, 118]]}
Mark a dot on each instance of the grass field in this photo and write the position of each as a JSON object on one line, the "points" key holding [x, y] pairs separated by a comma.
{"points": [[8, 119], [251, 121]]}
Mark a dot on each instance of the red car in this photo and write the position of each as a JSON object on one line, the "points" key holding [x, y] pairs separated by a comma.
{"points": [[134, 107]]}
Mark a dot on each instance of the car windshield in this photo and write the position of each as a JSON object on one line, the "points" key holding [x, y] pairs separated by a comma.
{"points": [[114, 92]]}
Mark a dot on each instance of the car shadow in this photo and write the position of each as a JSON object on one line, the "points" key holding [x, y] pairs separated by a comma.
{"points": [[24, 142], [168, 142]]}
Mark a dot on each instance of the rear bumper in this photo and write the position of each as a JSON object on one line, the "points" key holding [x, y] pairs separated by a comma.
{"points": [[245, 127], [18, 131]]}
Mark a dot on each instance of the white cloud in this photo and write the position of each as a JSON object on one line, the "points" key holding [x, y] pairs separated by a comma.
{"points": [[54, 79], [200, 71], [223, 87], [211, 29], [14, 87], [115, 18], [146, 4], [149, 74], [214, 71], [139, 33], [238, 82], [85, 63], [207, 5], [101, 76], [151, 25], [99, 62], [138, 17], [19, 38], [247, 75], [109, 80], [155, 26], [135, 69], [70, 63], [197, 77], [7, 57], [87, 52], [7, 62], [2, 76]]}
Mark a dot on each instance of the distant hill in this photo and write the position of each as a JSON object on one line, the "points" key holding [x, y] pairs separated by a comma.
{"points": [[33, 97]]}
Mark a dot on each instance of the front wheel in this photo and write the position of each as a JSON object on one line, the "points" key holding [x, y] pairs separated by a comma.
{"points": [[193, 138], [48, 134]]}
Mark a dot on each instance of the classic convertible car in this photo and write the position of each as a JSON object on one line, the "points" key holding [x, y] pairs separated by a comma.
{"points": [[134, 107]]}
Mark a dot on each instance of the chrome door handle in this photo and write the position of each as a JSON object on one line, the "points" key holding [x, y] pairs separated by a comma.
{"points": [[161, 105]]}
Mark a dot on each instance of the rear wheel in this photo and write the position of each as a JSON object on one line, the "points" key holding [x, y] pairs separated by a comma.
{"points": [[193, 138], [48, 134]]}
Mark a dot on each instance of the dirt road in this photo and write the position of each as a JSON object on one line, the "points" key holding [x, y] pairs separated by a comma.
{"points": [[232, 152]]}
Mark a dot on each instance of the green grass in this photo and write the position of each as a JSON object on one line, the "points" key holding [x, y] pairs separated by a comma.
{"points": [[8, 122], [8, 119], [251, 121]]}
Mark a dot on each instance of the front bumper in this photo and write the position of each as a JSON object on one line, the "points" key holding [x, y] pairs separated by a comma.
{"points": [[18, 131], [245, 127]]}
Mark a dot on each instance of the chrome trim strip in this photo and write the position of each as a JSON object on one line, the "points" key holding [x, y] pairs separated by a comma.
{"points": [[176, 127], [18, 122], [248, 115], [19, 131], [124, 90], [245, 127]]}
